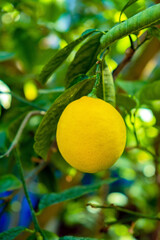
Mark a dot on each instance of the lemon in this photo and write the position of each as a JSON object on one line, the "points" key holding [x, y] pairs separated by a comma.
{"points": [[91, 134]]}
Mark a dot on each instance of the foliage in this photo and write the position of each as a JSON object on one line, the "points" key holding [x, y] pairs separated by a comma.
{"points": [[9, 182], [12, 233], [53, 52], [72, 193]]}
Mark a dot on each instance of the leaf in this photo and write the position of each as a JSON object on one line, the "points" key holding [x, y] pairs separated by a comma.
{"points": [[77, 238], [108, 85], [150, 92], [131, 87], [78, 79], [12, 233], [2, 139], [4, 56], [84, 59], [60, 57], [128, 4], [154, 31], [98, 87], [126, 102], [72, 193], [54, 90], [89, 31], [47, 128], [9, 182], [142, 20], [48, 236]]}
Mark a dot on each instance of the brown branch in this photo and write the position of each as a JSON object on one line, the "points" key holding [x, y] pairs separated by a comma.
{"points": [[134, 69], [129, 54]]}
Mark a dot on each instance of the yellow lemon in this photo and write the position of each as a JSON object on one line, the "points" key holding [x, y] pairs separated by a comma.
{"points": [[91, 134]]}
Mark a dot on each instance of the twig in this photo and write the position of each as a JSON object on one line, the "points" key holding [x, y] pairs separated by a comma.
{"points": [[138, 145], [129, 53], [20, 130], [35, 221], [120, 209], [134, 126]]}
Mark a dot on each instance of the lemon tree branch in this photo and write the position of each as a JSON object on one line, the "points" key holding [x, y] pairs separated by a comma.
{"points": [[129, 53], [121, 209], [139, 21], [20, 130]]}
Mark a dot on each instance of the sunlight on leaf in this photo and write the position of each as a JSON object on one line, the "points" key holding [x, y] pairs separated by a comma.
{"points": [[5, 99]]}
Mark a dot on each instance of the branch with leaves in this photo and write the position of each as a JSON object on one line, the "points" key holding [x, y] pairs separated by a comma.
{"points": [[78, 83], [142, 20]]}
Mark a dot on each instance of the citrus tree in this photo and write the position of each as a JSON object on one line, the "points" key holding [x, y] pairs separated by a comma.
{"points": [[80, 114]]}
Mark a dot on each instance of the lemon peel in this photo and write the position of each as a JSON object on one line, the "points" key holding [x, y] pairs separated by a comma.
{"points": [[91, 134]]}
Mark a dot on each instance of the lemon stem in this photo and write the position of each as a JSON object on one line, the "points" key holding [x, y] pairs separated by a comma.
{"points": [[93, 93], [104, 81]]}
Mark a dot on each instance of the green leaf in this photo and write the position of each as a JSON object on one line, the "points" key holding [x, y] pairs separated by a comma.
{"points": [[84, 59], [98, 87], [48, 236], [142, 20], [128, 4], [108, 85], [130, 87], [2, 139], [12, 233], [77, 238], [150, 92], [127, 102], [60, 57], [9, 182], [154, 31], [89, 31], [54, 90], [78, 78], [6, 56], [47, 128], [72, 193]]}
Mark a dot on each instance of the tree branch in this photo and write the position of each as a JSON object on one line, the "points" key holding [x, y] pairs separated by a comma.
{"points": [[129, 53], [20, 130], [120, 209], [34, 218]]}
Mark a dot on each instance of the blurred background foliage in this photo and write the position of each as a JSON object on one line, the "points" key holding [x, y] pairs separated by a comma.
{"points": [[31, 32]]}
